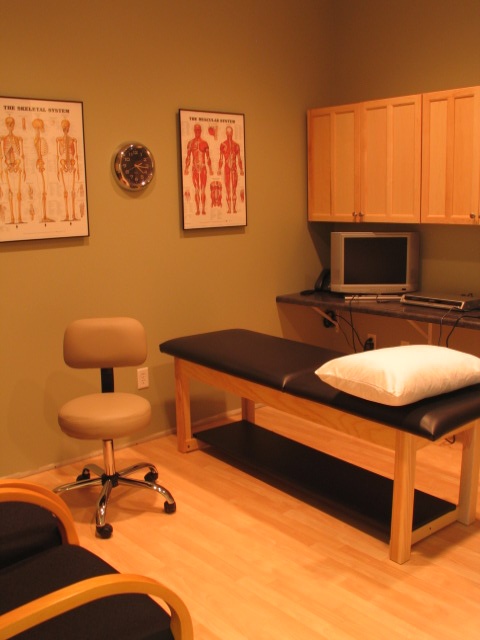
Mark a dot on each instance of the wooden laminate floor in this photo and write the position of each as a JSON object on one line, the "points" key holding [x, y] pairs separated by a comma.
{"points": [[255, 562]]}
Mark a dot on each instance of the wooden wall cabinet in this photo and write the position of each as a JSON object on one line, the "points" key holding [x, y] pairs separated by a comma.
{"points": [[391, 160], [451, 157], [364, 161], [409, 159], [333, 163]]}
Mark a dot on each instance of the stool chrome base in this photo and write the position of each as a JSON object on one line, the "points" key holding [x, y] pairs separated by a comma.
{"points": [[109, 478]]}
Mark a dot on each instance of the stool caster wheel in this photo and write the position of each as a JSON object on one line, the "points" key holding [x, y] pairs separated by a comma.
{"points": [[151, 476], [170, 507], [105, 531], [85, 475]]}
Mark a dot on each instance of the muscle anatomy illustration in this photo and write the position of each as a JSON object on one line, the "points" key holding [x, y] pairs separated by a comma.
{"points": [[198, 156], [229, 158]]}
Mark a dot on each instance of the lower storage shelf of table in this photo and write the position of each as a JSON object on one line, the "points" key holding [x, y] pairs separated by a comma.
{"points": [[336, 485]]}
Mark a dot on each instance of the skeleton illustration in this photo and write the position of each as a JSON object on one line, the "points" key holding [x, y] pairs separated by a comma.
{"points": [[41, 148], [67, 167], [12, 163]]}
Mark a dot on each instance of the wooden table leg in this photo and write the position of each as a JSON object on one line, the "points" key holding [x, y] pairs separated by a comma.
{"points": [[467, 502], [248, 410], [403, 496], [185, 441]]}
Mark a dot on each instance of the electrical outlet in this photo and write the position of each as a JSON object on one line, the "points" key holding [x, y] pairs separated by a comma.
{"points": [[142, 378], [326, 323]]}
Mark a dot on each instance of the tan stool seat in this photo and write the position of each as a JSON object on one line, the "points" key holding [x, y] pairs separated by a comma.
{"points": [[104, 415]]}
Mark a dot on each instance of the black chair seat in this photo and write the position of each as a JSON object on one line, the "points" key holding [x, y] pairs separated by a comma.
{"points": [[25, 529], [130, 616]]}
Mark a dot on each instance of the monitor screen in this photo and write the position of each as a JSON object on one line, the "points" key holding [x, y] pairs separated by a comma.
{"points": [[381, 260]]}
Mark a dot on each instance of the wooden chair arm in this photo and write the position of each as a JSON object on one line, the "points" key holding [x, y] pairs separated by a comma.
{"points": [[18, 491], [80, 593], [25, 484]]}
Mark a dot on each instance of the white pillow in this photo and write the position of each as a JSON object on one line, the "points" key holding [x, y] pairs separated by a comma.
{"points": [[401, 375]]}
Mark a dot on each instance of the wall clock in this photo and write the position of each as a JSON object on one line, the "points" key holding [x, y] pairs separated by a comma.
{"points": [[133, 166]]}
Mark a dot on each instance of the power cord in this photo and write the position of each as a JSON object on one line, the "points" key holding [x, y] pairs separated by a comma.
{"points": [[455, 324]]}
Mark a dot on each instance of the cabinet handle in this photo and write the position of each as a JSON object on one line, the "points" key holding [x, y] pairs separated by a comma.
{"points": [[354, 214], [472, 216], [361, 214]]}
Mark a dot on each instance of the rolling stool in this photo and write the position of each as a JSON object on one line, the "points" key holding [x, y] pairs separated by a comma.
{"points": [[107, 343]]}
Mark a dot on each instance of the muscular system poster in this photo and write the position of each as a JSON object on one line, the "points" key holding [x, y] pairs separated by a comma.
{"points": [[213, 169]]}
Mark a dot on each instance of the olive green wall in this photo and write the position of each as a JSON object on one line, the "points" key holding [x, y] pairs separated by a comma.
{"points": [[134, 67], [384, 49]]}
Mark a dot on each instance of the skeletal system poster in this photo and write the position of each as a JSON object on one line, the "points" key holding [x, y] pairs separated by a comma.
{"points": [[42, 170]]}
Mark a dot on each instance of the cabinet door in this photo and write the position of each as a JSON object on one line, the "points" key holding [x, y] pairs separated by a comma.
{"points": [[451, 156], [333, 163], [391, 160]]}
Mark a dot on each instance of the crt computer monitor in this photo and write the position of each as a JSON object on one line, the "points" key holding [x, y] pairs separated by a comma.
{"points": [[368, 262]]}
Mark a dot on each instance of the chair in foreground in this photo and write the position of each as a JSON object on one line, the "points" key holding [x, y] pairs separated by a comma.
{"points": [[106, 343], [66, 591]]}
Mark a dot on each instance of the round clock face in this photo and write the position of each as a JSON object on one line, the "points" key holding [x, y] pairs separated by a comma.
{"points": [[134, 166]]}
